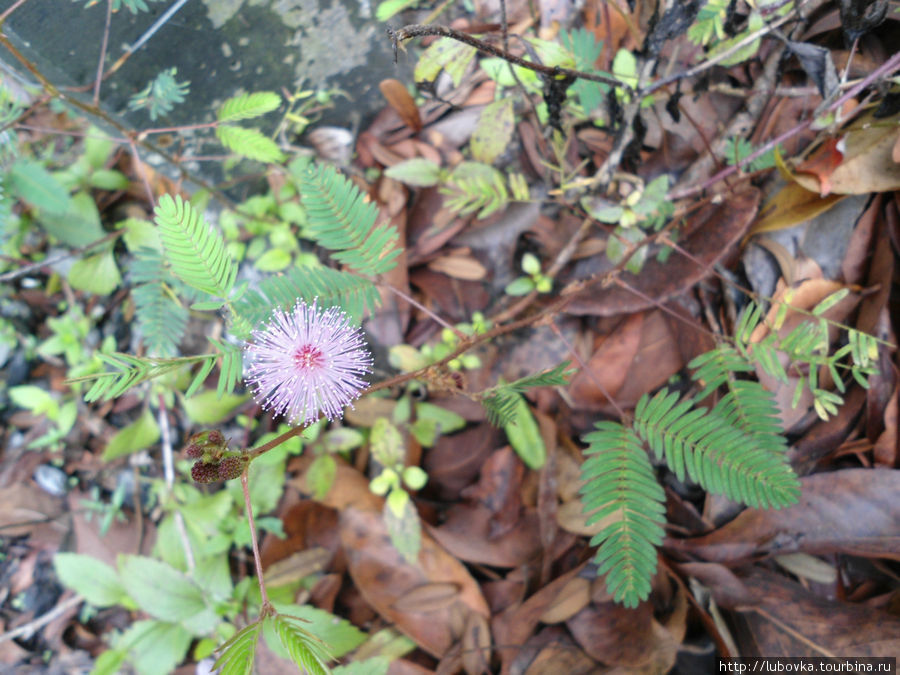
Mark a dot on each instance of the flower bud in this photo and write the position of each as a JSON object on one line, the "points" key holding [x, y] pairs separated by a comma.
{"points": [[204, 472], [231, 467]]}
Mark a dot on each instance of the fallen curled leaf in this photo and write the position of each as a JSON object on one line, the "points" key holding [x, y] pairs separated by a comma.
{"points": [[384, 579], [575, 596], [854, 511], [868, 164], [821, 164], [402, 102], [459, 267], [787, 619], [427, 597], [793, 204], [476, 645]]}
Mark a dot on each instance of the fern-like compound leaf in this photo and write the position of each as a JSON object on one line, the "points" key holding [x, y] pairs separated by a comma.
{"points": [[130, 371], [231, 369], [341, 219], [500, 402], [305, 649], [621, 490], [161, 318], [350, 292], [196, 252], [248, 106], [715, 452], [238, 653], [249, 143]]}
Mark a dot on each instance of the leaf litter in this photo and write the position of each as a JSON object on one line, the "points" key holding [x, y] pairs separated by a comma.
{"points": [[501, 583]]}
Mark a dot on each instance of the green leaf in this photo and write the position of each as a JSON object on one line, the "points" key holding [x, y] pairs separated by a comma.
{"points": [[447, 421], [444, 54], [493, 131], [403, 526], [96, 273], [139, 234], [109, 179], [248, 106], [207, 408], [388, 8], [754, 24], [520, 286], [418, 172], [196, 252], [37, 400], [249, 143], [166, 594], [273, 260], [32, 183], [109, 662], [304, 648], [155, 647], [95, 580], [342, 219], [621, 491], [386, 443], [525, 436], [320, 475], [238, 653], [830, 301], [137, 436], [79, 225]]}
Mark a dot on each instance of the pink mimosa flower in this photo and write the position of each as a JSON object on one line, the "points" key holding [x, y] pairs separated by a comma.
{"points": [[307, 362]]}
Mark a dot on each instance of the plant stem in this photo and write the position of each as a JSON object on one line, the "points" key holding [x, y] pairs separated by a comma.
{"points": [[266, 606]]}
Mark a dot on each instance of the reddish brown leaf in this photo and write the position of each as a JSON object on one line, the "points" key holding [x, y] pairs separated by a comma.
{"points": [[401, 101], [854, 511], [713, 231], [787, 620]]}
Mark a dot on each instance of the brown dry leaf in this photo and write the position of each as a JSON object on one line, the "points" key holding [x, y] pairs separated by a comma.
{"points": [[575, 596], [793, 204], [459, 266], [868, 164], [561, 656], [297, 566], [712, 232], [456, 460], [514, 626], [608, 366], [427, 597], [476, 645], [26, 508], [629, 638], [466, 533], [307, 525], [402, 102], [854, 511], [384, 578], [787, 620], [821, 165], [368, 409], [887, 446]]}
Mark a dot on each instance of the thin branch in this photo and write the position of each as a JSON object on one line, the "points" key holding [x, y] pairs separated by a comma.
{"points": [[418, 30], [12, 275], [245, 488], [9, 10], [886, 68], [98, 81], [29, 629]]}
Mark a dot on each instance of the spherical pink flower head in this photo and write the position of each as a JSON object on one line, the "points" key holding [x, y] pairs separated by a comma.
{"points": [[307, 362]]}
